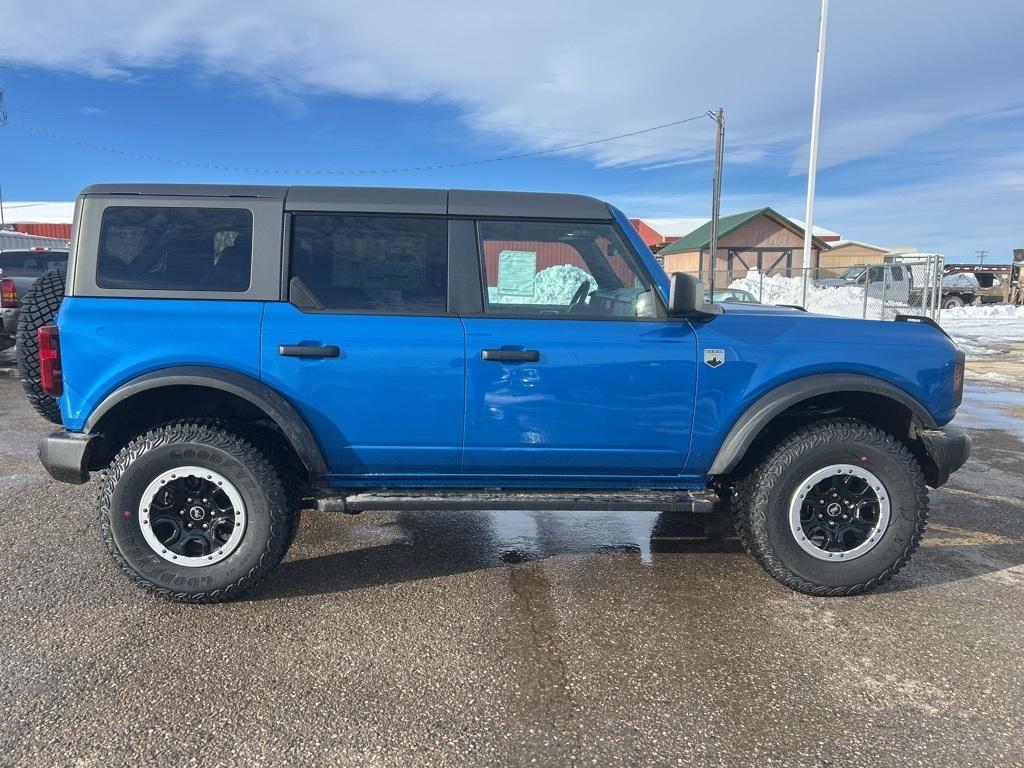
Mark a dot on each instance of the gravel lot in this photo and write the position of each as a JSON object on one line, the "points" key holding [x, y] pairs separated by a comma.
{"points": [[515, 639]]}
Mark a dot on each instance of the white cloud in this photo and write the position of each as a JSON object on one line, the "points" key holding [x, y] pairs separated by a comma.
{"points": [[956, 214], [894, 68]]}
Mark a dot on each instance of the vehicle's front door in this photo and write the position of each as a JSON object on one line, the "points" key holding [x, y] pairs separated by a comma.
{"points": [[571, 371], [365, 348]]}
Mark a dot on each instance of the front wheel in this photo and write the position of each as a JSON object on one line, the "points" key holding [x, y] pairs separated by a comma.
{"points": [[194, 512], [837, 508], [952, 302]]}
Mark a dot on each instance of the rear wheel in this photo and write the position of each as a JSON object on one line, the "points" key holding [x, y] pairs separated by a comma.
{"points": [[194, 512], [952, 302], [38, 308], [837, 508]]}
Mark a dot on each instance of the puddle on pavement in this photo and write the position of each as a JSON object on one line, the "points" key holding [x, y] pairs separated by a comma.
{"points": [[987, 408], [520, 537]]}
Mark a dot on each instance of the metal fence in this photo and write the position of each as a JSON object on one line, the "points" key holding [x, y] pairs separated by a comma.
{"points": [[899, 286]]}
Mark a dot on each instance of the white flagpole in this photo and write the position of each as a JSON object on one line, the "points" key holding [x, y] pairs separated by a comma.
{"points": [[812, 165]]}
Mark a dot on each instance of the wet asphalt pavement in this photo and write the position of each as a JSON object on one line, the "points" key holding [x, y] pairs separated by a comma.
{"points": [[516, 639]]}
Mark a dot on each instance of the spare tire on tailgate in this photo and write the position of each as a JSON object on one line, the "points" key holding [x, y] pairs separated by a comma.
{"points": [[38, 308]]}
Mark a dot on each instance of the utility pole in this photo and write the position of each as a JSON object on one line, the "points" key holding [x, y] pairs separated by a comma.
{"points": [[812, 165], [3, 122], [981, 257], [716, 190]]}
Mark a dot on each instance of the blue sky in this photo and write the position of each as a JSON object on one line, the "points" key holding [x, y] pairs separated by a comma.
{"points": [[922, 121]]}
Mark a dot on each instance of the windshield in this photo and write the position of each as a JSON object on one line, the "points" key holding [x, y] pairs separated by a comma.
{"points": [[852, 273]]}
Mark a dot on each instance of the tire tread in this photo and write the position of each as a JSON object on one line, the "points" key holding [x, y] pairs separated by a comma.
{"points": [[221, 435], [38, 308], [750, 503]]}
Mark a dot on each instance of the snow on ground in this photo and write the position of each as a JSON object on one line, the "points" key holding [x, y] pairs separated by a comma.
{"points": [[847, 301], [998, 311], [984, 331]]}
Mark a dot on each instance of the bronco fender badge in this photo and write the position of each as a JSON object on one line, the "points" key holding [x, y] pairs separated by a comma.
{"points": [[714, 357]]}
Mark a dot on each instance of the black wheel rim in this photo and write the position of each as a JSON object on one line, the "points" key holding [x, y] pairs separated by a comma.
{"points": [[839, 512], [192, 516]]}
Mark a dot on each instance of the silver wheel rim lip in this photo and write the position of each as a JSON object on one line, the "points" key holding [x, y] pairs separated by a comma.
{"points": [[223, 484], [873, 537]]}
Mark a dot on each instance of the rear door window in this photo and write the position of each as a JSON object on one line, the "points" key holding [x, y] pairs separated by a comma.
{"points": [[175, 248], [374, 264]]}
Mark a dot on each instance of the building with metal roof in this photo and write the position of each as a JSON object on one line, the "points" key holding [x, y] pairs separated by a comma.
{"points": [[761, 239]]}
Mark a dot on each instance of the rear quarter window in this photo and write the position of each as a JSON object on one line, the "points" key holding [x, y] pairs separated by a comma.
{"points": [[175, 248]]}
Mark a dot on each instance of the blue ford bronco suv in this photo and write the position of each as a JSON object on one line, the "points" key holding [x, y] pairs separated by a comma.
{"points": [[230, 355]]}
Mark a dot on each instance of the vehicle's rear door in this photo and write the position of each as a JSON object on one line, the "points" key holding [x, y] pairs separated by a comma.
{"points": [[572, 370], [365, 347]]}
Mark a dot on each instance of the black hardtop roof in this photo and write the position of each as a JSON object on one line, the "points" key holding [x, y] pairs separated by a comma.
{"points": [[458, 202]]}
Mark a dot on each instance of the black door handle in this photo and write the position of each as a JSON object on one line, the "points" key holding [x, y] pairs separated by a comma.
{"points": [[301, 350], [510, 355]]}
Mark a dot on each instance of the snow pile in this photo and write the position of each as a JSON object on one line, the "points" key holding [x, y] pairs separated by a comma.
{"points": [[846, 301], [974, 312], [985, 330], [554, 285]]}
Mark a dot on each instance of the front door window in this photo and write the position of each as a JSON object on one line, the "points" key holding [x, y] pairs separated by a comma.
{"points": [[561, 269]]}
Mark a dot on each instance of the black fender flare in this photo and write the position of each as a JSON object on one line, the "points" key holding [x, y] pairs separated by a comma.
{"points": [[294, 428], [757, 416]]}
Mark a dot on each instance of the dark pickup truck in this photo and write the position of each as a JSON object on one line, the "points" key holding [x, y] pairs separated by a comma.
{"points": [[19, 269]]}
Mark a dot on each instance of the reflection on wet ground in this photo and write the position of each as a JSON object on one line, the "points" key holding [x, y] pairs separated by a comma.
{"points": [[375, 548], [510, 638], [988, 408]]}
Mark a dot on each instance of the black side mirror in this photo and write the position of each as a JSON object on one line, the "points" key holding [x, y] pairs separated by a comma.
{"points": [[686, 299]]}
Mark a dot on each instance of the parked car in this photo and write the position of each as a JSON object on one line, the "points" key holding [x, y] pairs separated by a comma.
{"points": [[19, 269], [230, 355], [894, 282], [730, 294]]}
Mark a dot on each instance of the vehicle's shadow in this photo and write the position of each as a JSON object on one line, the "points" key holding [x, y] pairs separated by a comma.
{"points": [[335, 553], [404, 547]]}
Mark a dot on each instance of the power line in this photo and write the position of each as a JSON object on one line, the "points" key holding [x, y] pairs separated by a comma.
{"points": [[346, 171]]}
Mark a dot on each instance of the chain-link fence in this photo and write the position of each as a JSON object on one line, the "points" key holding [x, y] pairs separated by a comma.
{"points": [[899, 286]]}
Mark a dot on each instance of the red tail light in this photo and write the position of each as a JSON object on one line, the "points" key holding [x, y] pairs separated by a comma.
{"points": [[8, 294], [51, 378]]}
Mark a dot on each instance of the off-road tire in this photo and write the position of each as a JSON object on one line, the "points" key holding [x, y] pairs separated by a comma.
{"points": [[271, 518], [952, 302], [288, 470], [38, 308], [760, 506]]}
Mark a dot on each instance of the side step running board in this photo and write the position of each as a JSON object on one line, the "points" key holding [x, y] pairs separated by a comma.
{"points": [[535, 501]]}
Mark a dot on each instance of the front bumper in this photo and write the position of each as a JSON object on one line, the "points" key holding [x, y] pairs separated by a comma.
{"points": [[948, 449], [66, 456]]}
